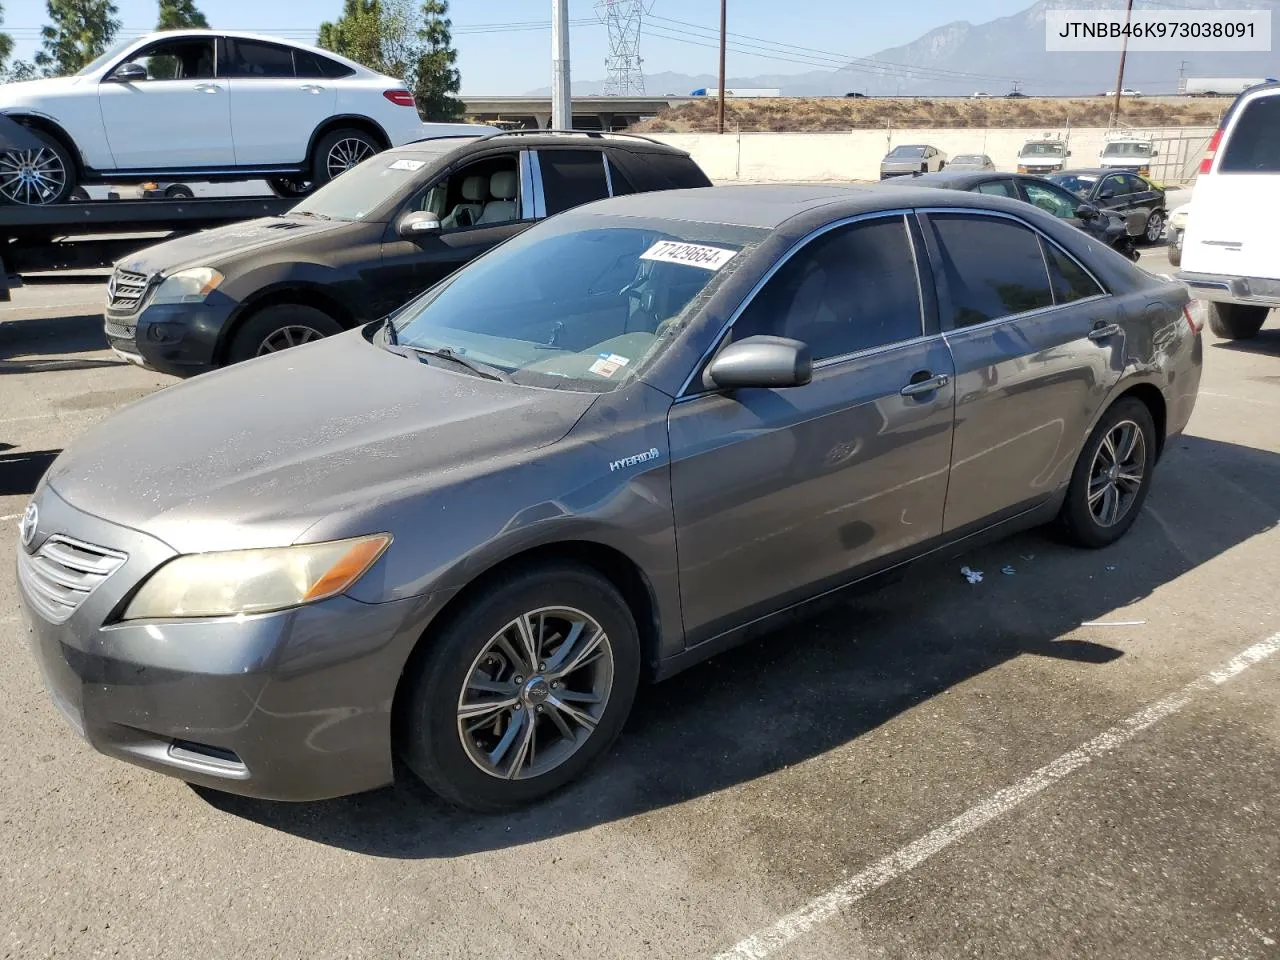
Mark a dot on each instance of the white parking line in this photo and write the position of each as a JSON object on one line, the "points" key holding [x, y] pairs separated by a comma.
{"points": [[1228, 396], [800, 922]]}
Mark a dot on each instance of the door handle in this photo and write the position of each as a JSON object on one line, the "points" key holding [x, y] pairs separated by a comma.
{"points": [[312, 88], [1102, 330], [207, 87], [917, 387]]}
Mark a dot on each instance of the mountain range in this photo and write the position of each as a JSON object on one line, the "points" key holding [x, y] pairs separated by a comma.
{"points": [[963, 58]]}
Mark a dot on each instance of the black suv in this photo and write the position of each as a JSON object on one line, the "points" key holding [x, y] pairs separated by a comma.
{"points": [[365, 243]]}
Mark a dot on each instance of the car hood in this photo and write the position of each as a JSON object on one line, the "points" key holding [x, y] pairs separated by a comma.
{"points": [[210, 248], [255, 454], [912, 162], [33, 91]]}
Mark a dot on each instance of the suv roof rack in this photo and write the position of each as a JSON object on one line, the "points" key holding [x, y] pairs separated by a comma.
{"points": [[598, 134]]}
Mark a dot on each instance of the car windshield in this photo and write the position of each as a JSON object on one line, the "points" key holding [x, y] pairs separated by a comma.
{"points": [[97, 63], [907, 152], [967, 158], [1042, 150], [1127, 150], [1079, 184], [367, 186], [578, 302]]}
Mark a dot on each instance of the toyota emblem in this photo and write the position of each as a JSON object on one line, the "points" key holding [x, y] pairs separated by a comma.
{"points": [[27, 525]]}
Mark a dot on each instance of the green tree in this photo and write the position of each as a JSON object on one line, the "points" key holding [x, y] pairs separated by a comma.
{"points": [[6, 43], [357, 34], [18, 71], [180, 15], [434, 77], [77, 32]]}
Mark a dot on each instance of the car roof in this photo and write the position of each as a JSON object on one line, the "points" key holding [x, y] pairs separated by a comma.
{"points": [[244, 35], [1089, 171], [532, 138]]}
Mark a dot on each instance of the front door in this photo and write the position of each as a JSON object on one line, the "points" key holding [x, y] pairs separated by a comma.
{"points": [[780, 494], [274, 112], [480, 204], [1052, 199], [177, 118], [1017, 313]]}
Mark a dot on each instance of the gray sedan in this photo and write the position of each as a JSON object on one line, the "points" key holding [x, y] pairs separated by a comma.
{"points": [[609, 448], [971, 163]]}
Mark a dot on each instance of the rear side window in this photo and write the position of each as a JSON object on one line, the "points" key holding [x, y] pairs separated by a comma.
{"points": [[571, 178], [1070, 281], [1254, 145], [992, 267], [261, 60], [312, 66], [667, 171], [619, 182], [996, 188]]}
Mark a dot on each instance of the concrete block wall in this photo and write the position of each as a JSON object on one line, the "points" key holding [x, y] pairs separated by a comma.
{"points": [[755, 157]]}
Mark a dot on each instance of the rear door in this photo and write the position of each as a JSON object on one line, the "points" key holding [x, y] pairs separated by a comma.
{"points": [[1017, 313], [273, 110], [570, 177], [1232, 230]]}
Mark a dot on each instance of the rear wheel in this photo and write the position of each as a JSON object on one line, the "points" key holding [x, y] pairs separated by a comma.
{"points": [[39, 177], [340, 150], [178, 191], [522, 689], [1112, 476], [1236, 321], [1155, 226], [290, 186], [280, 327]]}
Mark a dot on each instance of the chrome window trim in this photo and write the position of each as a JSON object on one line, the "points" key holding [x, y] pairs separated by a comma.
{"points": [[608, 173], [777, 265]]}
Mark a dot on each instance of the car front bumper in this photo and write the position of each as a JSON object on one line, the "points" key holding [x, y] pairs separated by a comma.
{"points": [[294, 705], [180, 339], [1220, 288]]}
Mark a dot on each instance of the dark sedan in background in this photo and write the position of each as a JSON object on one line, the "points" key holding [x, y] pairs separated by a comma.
{"points": [[1126, 194], [365, 243], [612, 447]]}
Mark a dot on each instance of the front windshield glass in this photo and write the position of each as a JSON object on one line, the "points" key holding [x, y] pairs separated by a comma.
{"points": [[579, 302], [1079, 184], [967, 158], [96, 64], [907, 152], [1127, 150], [1042, 150], [367, 186]]}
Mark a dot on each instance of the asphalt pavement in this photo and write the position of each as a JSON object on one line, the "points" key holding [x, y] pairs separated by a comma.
{"points": [[1076, 757]]}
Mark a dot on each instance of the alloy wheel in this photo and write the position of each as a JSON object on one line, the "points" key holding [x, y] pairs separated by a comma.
{"points": [[1155, 227], [345, 154], [535, 693], [1115, 478], [32, 177], [286, 337]]}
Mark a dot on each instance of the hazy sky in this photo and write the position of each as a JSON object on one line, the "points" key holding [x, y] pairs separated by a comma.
{"points": [[504, 45]]}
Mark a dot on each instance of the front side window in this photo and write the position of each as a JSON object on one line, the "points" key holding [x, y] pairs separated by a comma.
{"points": [[263, 61], [571, 178], [1052, 201], [996, 188], [188, 58], [579, 303], [992, 268], [1254, 143], [483, 192], [1113, 187], [853, 288]]}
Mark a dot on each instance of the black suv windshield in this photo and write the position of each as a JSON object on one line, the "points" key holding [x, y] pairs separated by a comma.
{"points": [[366, 187], [581, 303]]}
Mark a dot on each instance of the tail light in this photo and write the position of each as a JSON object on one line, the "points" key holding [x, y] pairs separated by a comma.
{"points": [[401, 98], [1191, 320], [1211, 150]]}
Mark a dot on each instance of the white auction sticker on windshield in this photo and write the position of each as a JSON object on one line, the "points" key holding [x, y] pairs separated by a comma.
{"points": [[690, 254], [404, 163]]}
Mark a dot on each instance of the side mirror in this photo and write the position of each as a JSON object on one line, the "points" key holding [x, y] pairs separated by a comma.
{"points": [[1155, 153], [129, 72], [1086, 211], [762, 362], [1068, 153], [418, 224]]}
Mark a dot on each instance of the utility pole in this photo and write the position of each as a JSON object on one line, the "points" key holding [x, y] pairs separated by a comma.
{"points": [[1182, 75], [561, 100], [1124, 48], [723, 81]]}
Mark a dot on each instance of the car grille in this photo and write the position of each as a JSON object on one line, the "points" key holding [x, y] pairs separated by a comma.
{"points": [[126, 291], [60, 575]]}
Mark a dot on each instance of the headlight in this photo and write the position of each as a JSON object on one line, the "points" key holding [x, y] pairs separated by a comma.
{"points": [[254, 581], [188, 286]]}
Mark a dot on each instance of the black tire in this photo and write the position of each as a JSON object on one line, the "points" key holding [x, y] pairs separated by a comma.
{"points": [[1175, 249], [178, 191], [1236, 321], [1157, 218], [79, 194], [1077, 517], [262, 326], [51, 155], [290, 186], [428, 737], [338, 146]]}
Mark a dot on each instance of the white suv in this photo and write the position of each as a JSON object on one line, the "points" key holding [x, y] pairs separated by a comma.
{"points": [[1231, 249], [203, 105]]}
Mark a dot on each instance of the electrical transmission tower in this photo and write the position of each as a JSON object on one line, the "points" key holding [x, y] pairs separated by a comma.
{"points": [[623, 76]]}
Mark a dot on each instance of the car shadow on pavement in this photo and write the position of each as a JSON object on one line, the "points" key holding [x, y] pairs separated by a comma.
{"points": [[40, 342], [1266, 341], [823, 682], [21, 471]]}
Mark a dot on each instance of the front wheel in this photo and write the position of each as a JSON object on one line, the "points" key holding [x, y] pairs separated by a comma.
{"points": [[280, 327], [39, 177], [1112, 476], [1175, 249], [522, 689], [1236, 321]]}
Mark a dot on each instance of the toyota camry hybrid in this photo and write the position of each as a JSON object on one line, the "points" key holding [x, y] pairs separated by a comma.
{"points": [[610, 447]]}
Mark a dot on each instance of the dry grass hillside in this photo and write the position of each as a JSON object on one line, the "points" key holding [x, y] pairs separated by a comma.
{"points": [[785, 114]]}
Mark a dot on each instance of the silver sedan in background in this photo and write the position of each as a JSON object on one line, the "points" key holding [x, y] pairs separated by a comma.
{"points": [[971, 162]]}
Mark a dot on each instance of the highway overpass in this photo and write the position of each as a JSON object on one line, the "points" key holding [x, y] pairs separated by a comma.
{"points": [[589, 113]]}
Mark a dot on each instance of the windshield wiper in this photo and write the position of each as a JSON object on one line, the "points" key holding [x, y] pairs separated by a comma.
{"points": [[475, 366]]}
